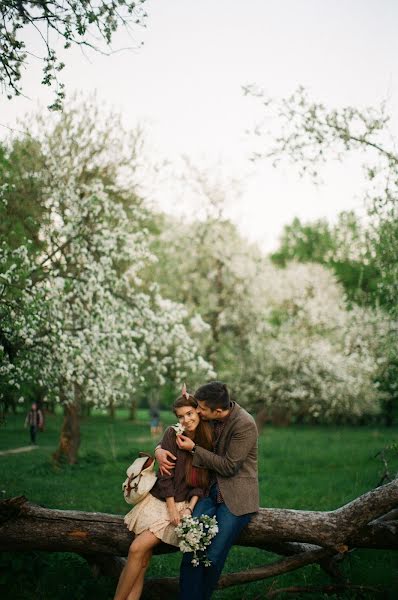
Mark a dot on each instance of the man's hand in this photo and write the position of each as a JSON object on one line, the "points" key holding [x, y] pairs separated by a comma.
{"points": [[185, 443], [165, 460]]}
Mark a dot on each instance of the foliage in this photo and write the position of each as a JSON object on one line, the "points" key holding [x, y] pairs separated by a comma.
{"points": [[308, 136], [285, 340], [77, 23], [76, 317], [343, 247], [22, 210], [106, 299], [210, 269], [312, 358]]}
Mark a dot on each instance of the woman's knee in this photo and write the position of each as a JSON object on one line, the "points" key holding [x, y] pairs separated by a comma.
{"points": [[139, 550], [136, 548]]}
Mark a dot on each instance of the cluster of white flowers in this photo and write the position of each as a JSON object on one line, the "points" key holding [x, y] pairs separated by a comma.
{"points": [[178, 428], [314, 358], [195, 535]]}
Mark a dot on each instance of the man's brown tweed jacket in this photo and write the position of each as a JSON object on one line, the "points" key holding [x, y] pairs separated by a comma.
{"points": [[235, 462]]}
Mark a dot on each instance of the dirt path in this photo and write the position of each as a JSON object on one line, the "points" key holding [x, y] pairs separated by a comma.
{"points": [[18, 450]]}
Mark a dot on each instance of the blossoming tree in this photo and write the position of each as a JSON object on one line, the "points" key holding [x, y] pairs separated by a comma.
{"points": [[308, 134], [311, 358], [83, 323]]}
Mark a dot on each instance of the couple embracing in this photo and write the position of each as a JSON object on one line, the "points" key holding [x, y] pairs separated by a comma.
{"points": [[210, 469]]}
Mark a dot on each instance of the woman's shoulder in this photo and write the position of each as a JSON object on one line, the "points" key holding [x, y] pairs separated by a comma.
{"points": [[169, 438]]}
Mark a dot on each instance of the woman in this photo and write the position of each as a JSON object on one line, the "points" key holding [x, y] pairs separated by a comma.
{"points": [[174, 496]]}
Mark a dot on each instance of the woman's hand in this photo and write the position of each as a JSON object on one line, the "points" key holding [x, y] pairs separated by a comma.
{"points": [[185, 443], [174, 515], [186, 512], [165, 460]]}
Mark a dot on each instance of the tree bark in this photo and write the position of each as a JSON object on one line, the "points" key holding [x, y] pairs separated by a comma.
{"points": [[388, 411], [132, 410], [262, 417], [303, 537], [370, 521], [69, 442], [50, 407], [279, 418], [112, 410], [25, 526]]}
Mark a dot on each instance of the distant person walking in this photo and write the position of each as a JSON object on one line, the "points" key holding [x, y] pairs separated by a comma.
{"points": [[155, 425], [34, 419]]}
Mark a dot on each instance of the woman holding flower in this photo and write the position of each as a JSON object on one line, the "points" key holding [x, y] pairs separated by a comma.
{"points": [[173, 496]]}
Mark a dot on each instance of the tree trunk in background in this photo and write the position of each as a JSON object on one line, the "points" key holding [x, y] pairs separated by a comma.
{"points": [[9, 404], [389, 412], [69, 442], [262, 417], [213, 318], [275, 416], [50, 407], [85, 410], [112, 411], [281, 418], [132, 410]]}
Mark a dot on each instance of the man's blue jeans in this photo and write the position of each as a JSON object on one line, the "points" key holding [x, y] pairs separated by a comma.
{"points": [[198, 583]]}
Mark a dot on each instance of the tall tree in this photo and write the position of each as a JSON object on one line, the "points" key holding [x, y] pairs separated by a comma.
{"points": [[76, 317], [210, 268], [308, 135]]}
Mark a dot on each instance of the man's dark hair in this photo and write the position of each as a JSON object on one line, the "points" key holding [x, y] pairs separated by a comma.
{"points": [[215, 394]]}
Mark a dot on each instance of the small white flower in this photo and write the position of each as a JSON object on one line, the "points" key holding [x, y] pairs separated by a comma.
{"points": [[178, 428]]}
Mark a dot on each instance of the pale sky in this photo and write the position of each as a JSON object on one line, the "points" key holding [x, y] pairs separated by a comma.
{"points": [[185, 83]]}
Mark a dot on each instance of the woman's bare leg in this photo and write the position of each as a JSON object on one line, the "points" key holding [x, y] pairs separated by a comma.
{"points": [[140, 553], [136, 592]]}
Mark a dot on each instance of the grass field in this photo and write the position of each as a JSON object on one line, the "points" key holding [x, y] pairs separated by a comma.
{"points": [[313, 468]]}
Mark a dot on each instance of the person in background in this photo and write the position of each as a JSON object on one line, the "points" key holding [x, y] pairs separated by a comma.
{"points": [[155, 420], [34, 420]]}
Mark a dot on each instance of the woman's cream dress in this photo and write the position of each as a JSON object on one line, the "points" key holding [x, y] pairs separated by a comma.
{"points": [[151, 514]]}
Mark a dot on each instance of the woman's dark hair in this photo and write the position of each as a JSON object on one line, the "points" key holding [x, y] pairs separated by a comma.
{"points": [[203, 437], [215, 394]]}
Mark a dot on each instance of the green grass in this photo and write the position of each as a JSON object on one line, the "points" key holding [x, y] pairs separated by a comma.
{"points": [[312, 468]]}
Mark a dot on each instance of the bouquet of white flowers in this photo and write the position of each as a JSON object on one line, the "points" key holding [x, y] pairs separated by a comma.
{"points": [[195, 534]]}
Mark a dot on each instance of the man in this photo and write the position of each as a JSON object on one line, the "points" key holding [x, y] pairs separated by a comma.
{"points": [[34, 419], [233, 496]]}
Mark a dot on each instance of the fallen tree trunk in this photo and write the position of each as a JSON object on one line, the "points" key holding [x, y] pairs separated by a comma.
{"points": [[304, 537], [25, 526]]}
